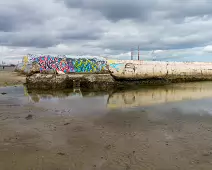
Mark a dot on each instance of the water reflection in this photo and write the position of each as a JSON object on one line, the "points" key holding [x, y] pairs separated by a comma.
{"points": [[140, 97], [77, 93], [70, 100], [150, 96]]}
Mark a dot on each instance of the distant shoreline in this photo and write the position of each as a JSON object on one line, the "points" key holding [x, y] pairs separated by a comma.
{"points": [[7, 68], [10, 78]]}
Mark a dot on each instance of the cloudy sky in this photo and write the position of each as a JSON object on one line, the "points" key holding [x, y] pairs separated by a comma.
{"points": [[179, 30]]}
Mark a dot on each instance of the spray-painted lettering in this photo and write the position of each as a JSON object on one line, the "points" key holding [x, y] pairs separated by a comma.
{"points": [[67, 65]]}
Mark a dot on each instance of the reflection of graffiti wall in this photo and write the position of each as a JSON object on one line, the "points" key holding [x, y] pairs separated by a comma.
{"points": [[152, 96], [65, 65]]}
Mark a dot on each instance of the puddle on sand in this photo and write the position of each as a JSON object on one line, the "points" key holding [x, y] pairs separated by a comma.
{"points": [[186, 96], [17, 94]]}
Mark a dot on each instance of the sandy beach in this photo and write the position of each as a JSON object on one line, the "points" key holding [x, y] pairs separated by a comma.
{"points": [[160, 137], [8, 77]]}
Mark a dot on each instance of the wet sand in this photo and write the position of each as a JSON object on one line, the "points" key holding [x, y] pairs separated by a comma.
{"points": [[159, 137], [9, 78]]}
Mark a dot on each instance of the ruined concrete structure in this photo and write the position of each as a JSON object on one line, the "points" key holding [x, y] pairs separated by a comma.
{"points": [[117, 70], [64, 81]]}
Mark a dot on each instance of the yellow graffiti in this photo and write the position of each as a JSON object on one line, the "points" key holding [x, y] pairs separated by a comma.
{"points": [[25, 62], [111, 61]]}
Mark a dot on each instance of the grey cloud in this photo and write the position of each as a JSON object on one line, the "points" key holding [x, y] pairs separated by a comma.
{"points": [[26, 25], [27, 40], [45, 39], [5, 25], [82, 33], [80, 36], [103, 24], [39, 42], [115, 10], [15, 57], [16, 16], [178, 10], [167, 40], [143, 9]]}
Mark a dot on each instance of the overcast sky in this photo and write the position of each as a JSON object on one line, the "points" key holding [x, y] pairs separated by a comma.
{"points": [[179, 30]]}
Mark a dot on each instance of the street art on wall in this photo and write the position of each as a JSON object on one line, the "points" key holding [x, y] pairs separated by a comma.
{"points": [[67, 65], [129, 67], [114, 65]]}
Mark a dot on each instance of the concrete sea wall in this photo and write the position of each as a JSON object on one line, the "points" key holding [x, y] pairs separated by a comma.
{"points": [[138, 70], [119, 69], [114, 72]]}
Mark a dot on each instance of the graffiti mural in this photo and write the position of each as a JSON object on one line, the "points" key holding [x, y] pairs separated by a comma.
{"points": [[115, 66], [47, 63], [66, 65]]}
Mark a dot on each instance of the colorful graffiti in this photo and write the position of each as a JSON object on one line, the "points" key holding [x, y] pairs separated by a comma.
{"points": [[115, 66], [66, 65], [51, 63]]}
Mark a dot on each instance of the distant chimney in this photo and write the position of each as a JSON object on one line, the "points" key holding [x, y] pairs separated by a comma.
{"points": [[131, 54], [138, 53]]}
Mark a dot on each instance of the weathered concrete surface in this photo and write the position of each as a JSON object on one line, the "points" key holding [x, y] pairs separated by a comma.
{"points": [[119, 69], [136, 70], [88, 82], [63, 81]]}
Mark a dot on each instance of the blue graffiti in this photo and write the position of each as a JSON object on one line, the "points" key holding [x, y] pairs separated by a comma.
{"points": [[116, 66]]}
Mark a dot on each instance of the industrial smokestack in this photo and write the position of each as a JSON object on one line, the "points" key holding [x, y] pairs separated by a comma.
{"points": [[131, 54], [138, 53]]}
